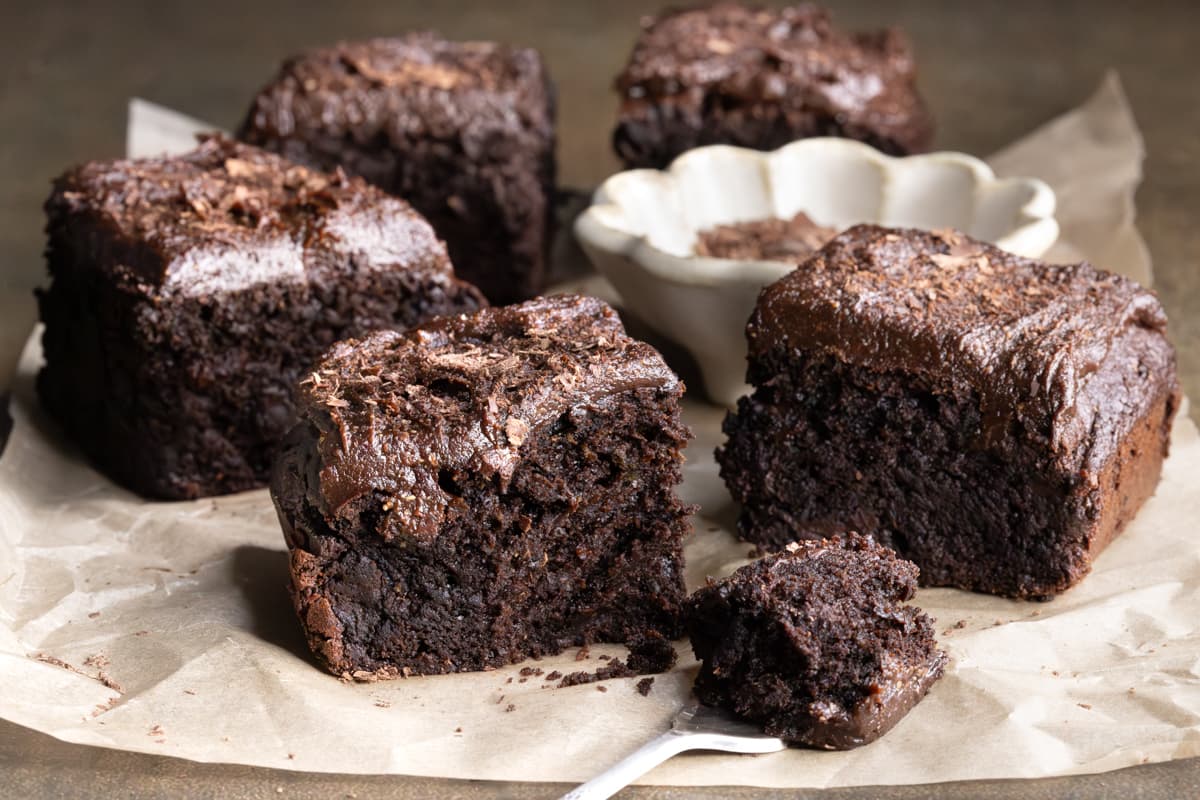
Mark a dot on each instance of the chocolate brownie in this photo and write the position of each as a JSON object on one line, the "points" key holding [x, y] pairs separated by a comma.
{"points": [[462, 130], [190, 293], [791, 240], [484, 489], [755, 77], [995, 419], [816, 644]]}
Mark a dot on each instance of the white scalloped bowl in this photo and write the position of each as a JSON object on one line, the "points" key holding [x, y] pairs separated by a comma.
{"points": [[642, 226]]}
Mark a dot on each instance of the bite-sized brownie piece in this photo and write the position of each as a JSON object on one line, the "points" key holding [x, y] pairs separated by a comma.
{"points": [[484, 489], [462, 130], [189, 294], [755, 77], [816, 644], [791, 240], [995, 419]]}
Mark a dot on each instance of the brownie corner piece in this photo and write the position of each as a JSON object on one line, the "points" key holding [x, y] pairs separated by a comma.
{"points": [[188, 294], [755, 77], [995, 419], [465, 131], [487, 488], [816, 644]]}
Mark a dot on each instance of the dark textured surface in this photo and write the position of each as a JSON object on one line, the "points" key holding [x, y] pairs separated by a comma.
{"points": [[991, 70], [525, 457], [462, 130], [997, 420], [189, 294], [758, 77], [815, 644]]}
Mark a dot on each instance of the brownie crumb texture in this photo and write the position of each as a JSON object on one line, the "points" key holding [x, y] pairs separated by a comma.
{"points": [[995, 419], [760, 78], [488, 488], [815, 643]]}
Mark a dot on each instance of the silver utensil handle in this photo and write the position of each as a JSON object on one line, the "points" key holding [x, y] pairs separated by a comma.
{"points": [[633, 766]]}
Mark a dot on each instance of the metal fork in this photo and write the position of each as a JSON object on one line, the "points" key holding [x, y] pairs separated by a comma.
{"points": [[696, 727]]}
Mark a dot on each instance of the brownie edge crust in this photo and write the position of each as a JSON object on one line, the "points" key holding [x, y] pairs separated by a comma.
{"points": [[815, 644], [994, 419], [484, 489]]}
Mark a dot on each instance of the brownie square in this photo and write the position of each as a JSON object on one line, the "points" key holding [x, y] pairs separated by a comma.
{"points": [[995, 419], [815, 644], [484, 489], [760, 78], [462, 130], [189, 294]]}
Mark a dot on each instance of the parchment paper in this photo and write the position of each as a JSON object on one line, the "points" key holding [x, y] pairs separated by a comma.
{"points": [[165, 627]]}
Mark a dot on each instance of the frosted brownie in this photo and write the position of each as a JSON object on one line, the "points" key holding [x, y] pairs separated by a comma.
{"points": [[484, 489], [760, 78], [188, 295], [816, 644], [995, 419], [462, 130]]}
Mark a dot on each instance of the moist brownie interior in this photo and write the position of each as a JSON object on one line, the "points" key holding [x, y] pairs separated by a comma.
{"points": [[815, 643], [485, 489]]}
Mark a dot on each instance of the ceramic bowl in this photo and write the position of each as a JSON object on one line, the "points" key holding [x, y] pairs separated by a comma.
{"points": [[642, 225]]}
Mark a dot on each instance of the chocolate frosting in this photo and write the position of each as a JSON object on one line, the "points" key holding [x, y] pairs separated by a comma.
{"points": [[1055, 349], [412, 87], [733, 55], [461, 394], [227, 216]]}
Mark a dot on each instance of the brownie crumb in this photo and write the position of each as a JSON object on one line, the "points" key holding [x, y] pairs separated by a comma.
{"points": [[651, 653], [601, 688], [583, 654], [528, 671], [93, 615], [644, 686], [458, 729], [1085, 706], [382, 704], [613, 669], [509, 708], [553, 676]]}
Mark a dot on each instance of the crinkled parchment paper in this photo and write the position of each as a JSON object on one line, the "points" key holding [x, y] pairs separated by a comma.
{"points": [[165, 627]]}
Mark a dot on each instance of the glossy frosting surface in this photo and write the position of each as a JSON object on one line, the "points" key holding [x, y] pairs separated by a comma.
{"points": [[1058, 349], [226, 216], [462, 393]]}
